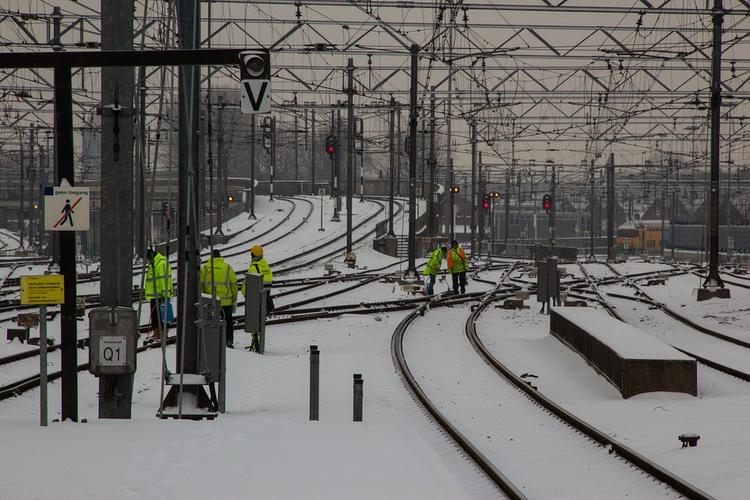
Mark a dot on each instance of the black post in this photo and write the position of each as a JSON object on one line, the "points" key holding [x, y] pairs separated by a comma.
{"points": [[337, 167], [22, 181], [591, 214], [252, 167], [423, 157], [392, 169], [349, 152], [67, 242], [481, 212], [553, 209], [506, 222], [611, 209], [296, 140], [474, 194], [358, 395], [713, 280], [312, 154], [411, 270], [273, 156], [431, 165], [314, 382], [141, 229]]}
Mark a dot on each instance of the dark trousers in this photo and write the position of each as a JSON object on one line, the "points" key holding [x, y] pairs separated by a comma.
{"points": [[229, 322], [459, 282], [431, 284]]}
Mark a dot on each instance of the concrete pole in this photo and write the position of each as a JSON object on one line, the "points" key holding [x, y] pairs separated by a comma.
{"points": [[312, 153], [480, 212], [431, 163], [474, 194], [591, 214], [116, 392], [337, 167], [399, 149], [611, 209], [22, 183]]}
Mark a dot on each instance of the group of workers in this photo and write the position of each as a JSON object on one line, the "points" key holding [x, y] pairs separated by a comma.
{"points": [[217, 279], [457, 262]]}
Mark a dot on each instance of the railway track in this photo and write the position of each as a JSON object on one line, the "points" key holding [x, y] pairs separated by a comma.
{"points": [[708, 351], [600, 438]]}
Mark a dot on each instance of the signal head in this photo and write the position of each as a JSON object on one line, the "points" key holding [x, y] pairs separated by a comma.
{"points": [[255, 65]]}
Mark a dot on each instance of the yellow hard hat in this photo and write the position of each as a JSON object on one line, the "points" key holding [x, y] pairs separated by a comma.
{"points": [[257, 251]]}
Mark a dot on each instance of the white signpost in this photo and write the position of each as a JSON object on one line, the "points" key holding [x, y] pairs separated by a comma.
{"points": [[255, 96], [66, 208]]}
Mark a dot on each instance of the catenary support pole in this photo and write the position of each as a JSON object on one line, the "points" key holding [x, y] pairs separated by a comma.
{"points": [[431, 219], [189, 190], [411, 269], [349, 152], [273, 156], [506, 221], [252, 167], [611, 208], [116, 391], [399, 149], [313, 152], [392, 165], [22, 182], [337, 168], [592, 201], [63, 96], [553, 211], [474, 194], [43, 365], [481, 212], [713, 279]]}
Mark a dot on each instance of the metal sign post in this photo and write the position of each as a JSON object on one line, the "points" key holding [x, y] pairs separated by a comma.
{"points": [[42, 291]]}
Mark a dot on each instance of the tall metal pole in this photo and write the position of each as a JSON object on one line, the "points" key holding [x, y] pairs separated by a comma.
{"points": [[506, 222], [349, 151], [116, 233], [552, 212], [399, 149], [591, 214], [611, 209], [67, 243], [333, 160], [713, 280], [423, 156], [411, 270], [273, 156], [22, 182], [392, 165], [296, 140], [449, 145], [189, 190], [221, 165], [431, 227], [474, 194], [481, 212], [141, 230], [252, 167], [313, 151], [337, 167]]}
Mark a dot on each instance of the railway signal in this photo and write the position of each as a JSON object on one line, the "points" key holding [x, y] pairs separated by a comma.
{"points": [[267, 134], [486, 203], [331, 144], [454, 189], [547, 203]]}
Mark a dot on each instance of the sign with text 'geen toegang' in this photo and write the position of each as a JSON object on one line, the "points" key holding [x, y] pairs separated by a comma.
{"points": [[66, 208], [42, 290]]}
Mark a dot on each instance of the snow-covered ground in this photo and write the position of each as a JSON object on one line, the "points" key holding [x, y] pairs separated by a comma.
{"points": [[265, 447]]}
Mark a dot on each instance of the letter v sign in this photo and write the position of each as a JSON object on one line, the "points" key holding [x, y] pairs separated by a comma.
{"points": [[255, 96]]}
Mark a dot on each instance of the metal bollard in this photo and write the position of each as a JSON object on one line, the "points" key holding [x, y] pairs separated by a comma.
{"points": [[358, 393], [314, 381]]}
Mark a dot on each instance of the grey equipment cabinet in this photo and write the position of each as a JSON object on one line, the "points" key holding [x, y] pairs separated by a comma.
{"points": [[113, 340]]}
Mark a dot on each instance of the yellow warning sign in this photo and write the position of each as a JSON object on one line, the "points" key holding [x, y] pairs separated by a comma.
{"points": [[43, 290]]}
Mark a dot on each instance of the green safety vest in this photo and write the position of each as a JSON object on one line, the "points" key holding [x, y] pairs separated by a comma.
{"points": [[261, 267], [433, 265]]}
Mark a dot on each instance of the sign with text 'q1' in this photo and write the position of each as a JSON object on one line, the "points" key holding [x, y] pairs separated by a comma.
{"points": [[66, 208]]}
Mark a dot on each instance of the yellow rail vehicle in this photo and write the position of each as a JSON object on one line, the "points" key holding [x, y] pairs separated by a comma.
{"points": [[637, 237]]}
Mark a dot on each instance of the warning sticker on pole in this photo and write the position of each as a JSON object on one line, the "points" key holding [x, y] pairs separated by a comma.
{"points": [[66, 209], [43, 290]]}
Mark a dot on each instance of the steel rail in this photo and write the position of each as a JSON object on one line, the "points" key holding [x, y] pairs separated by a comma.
{"points": [[627, 453], [399, 360]]}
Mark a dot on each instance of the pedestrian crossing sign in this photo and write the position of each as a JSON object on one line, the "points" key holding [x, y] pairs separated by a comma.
{"points": [[66, 208]]}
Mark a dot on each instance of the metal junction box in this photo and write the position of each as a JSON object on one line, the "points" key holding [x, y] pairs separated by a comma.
{"points": [[255, 304], [113, 340]]}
